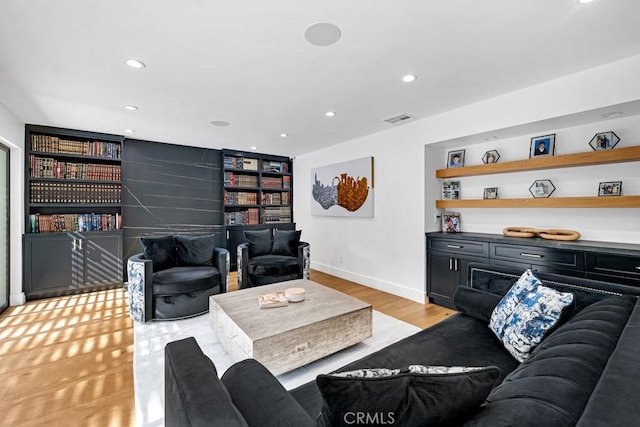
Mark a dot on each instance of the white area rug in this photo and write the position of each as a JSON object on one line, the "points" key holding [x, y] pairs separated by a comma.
{"points": [[148, 357]]}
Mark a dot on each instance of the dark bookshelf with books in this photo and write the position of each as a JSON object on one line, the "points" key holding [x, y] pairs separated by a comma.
{"points": [[73, 210], [258, 194]]}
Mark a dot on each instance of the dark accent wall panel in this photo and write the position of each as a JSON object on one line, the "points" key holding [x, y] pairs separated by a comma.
{"points": [[169, 189]]}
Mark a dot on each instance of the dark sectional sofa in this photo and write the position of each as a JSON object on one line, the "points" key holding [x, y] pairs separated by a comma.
{"points": [[586, 372]]}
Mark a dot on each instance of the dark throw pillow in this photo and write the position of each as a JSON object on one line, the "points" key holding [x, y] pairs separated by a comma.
{"points": [[413, 396], [475, 303], [160, 250], [285, 242], [195, 250], [260, 242]]}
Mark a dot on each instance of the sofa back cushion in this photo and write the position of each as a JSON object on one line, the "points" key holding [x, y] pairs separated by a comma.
{"points": [[475, 303], [195, 250], [285, 242], [160, 250], [260, 242], [553, 386]]}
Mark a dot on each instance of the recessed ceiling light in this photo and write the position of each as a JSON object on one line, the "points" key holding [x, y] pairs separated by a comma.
{"points": [[220, 123], [284, 135], [130, 107], [254, 147], [409, 78], [130, 131], [491, 138], [585, 1], [330, 113], [135, 63], [322, 34], [612, 114]]}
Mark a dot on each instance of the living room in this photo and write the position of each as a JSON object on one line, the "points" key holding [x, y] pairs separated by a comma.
{"points": [[387, 252]]}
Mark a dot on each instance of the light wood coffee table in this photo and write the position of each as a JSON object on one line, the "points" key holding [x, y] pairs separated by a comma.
{"points": [[285, 338]]}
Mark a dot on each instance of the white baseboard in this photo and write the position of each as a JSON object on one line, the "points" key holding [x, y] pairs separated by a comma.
{"points": [[17, 299], [381, 285]]}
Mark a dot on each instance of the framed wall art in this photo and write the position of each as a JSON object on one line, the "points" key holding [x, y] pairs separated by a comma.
{"points": [[451, 222], [490, 193], [455, 159], [543, 146], [450, 190], [343, 189]]}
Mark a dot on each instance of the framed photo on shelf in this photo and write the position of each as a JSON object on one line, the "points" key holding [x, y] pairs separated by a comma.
{"points": [[612, 188], [491, 156], [604, 141], [450, 222], [490, 193], [450, 190], [455, 159], [542, 188], [543, 146]]}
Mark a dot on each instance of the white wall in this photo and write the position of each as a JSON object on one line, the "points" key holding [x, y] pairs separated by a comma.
{"points": [[12, 135], [387, 252]]}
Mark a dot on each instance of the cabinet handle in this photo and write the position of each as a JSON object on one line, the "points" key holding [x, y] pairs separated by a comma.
{"points": [[74, 244], [79, 244], [637, 267], [227, 234], [450, 263], [455, 264], [454, 246], [531, 255]]}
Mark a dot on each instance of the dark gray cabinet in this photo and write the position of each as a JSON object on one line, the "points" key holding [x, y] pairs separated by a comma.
{"points": [[448, 256], [447, 261], [68, 263]]}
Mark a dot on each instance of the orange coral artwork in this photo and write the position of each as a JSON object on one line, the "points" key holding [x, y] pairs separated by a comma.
{"points": [[344, 189]]}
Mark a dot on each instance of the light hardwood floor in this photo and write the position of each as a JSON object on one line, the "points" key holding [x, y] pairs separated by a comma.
{"points": [[68, 361]]}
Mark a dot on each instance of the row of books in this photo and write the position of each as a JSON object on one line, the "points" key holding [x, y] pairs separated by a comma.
{"points": [[274, 182], [238, 162], [273, 166], [54, 144], [283, 198], [48, 167], [237, 180], [244, 217], [276, 214], [56, 223], [63, 192], [240, 198]]}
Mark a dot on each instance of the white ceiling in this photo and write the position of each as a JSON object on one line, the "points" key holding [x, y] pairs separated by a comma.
{"points": [[247, 62]]}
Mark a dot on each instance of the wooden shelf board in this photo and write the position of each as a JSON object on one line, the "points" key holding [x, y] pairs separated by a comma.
{"points": [[550, 202], [618, 155]]}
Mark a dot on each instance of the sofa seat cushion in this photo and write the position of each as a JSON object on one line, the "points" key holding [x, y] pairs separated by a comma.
{"points": [[181, 280], [553, 386], [273, 265]]}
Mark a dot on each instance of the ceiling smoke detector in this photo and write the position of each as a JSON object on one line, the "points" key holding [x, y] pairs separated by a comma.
{"points": [[399, 119]]}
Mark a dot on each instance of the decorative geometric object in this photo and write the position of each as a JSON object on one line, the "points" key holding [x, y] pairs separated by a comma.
{"points": [[542, 188], [604, 141], [491, 156]]}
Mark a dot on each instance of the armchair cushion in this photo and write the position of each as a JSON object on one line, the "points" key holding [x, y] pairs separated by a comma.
{"points": [[181, 280], [260, 242], [160, 250], [285, 242], [195, 250]]}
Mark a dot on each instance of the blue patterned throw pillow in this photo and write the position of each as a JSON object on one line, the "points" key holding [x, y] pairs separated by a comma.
{"points": [[526, 313]]}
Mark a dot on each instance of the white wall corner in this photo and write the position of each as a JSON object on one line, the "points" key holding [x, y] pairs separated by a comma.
{"points": [[17, 299]]}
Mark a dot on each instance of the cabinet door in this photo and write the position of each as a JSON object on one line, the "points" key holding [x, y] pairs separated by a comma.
{"points": [[441, 279], [623, 269], [101, 259], [50, 265]]}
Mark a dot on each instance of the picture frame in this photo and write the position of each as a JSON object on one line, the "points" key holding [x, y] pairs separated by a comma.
{"points": [[451, 222], [610, 188], [542, 188], [544, 145], [455, 159], [490, 156], [450, 190], [490, 193], [604, 141]]}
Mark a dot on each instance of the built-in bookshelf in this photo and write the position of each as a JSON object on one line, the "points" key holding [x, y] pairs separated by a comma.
{"points": [[257, 189], [73, 180]]}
